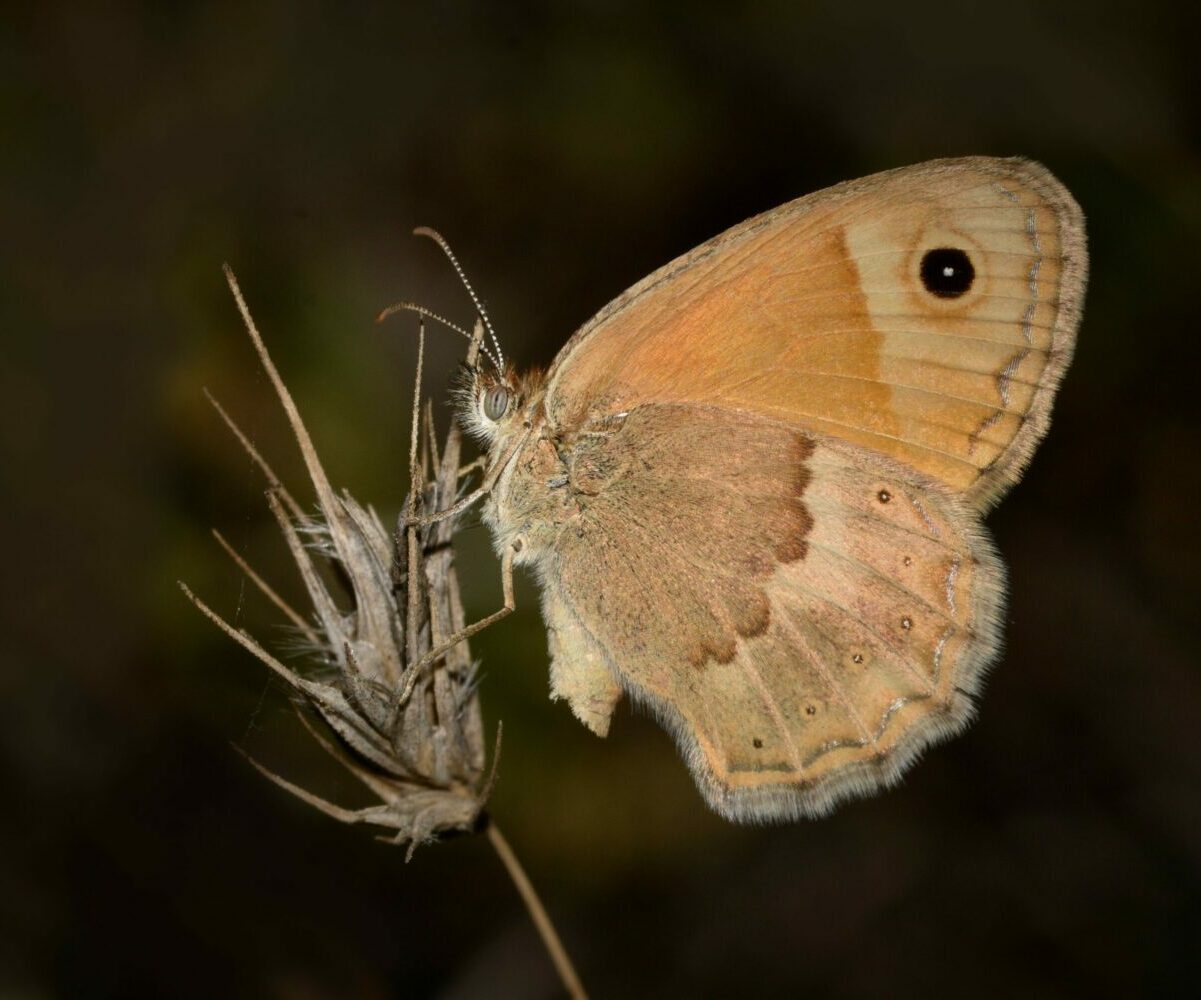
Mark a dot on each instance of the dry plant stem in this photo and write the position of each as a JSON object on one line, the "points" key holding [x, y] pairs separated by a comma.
{"points": [[413, 608], [421, 758], [258, 459], [267, 590], [550, 938]]}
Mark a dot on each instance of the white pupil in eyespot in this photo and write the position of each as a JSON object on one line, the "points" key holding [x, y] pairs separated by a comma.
{"points": [[948, 272], [496, 402]]}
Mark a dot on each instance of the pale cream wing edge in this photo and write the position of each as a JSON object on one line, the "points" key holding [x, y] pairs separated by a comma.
{"points": [[995, 481]]}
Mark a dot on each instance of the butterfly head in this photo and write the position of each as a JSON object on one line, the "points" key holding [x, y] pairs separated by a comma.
{"points": [[496, 404]]}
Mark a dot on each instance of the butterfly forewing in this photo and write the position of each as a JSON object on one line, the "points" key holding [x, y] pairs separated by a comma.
{"points": [[927, 313]]}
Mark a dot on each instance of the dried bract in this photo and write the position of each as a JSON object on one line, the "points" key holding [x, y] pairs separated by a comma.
{"points": [[397, 689]]}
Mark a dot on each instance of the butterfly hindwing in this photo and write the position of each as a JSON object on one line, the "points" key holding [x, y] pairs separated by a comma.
{"points": [[804, 615]]}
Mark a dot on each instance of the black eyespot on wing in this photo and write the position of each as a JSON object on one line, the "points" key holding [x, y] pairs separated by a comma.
{"points": [[947, 272]]}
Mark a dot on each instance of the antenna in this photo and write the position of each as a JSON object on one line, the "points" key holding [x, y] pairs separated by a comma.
{"points": [[430, 314], [434, 235]]}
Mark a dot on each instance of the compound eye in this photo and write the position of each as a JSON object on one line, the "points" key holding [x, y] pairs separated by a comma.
{"points": [[496, 402]]}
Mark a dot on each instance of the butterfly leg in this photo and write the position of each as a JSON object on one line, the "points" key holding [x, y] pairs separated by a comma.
{"points": [[506, 580], [486, 487], [466, 470], [478, 463]]}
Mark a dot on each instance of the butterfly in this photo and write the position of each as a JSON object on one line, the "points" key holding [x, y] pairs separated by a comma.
{"points": [[751, 487]]}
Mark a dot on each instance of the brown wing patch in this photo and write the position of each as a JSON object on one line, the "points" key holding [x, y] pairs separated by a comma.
{"points": [[692, 509], [820, 679]]}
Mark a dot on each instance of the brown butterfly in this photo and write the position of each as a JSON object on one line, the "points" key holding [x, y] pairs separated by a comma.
{"points": [[751, 487]]}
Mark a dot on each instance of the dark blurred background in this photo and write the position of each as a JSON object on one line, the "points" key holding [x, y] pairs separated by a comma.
{"points": [[1054, 850]]}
